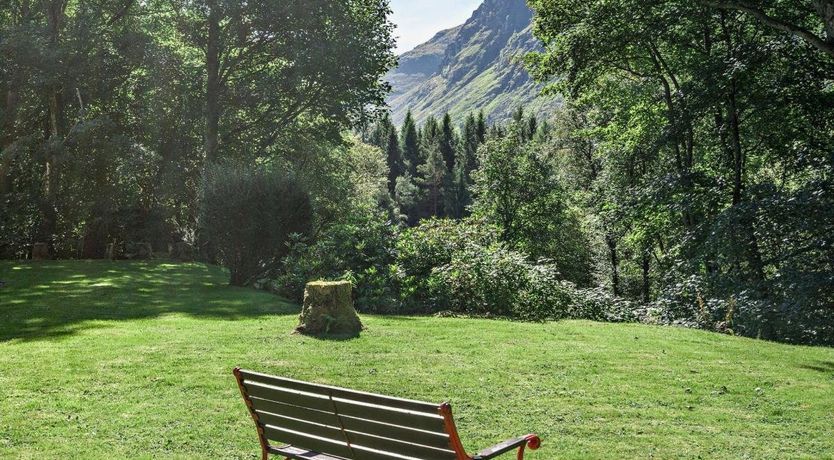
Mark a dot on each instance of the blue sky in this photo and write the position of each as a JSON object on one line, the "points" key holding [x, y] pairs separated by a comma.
{"points": [[418, 20]]}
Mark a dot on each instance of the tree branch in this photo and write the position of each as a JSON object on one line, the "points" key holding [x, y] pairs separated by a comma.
{"points": [[778, 24], [121, 13]]}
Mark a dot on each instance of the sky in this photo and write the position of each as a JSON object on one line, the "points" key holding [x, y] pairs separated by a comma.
{"points": [[418, 20]]}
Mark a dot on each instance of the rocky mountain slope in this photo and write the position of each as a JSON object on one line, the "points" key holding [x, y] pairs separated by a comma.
{"points": [[475, 66]]}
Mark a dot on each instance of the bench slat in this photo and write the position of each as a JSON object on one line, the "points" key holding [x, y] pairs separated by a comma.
{"points": [[262, 391], [323, 431], [325, 446], [301, 454], [400, 448], [367, 454], [420, 421], [303, 413], [344, 393], [431, 439]]}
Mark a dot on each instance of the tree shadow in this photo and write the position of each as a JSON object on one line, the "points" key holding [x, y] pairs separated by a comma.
{"points": [[820, 366], [42, 300]]}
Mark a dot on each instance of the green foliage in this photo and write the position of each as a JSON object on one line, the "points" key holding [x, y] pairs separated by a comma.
{"points": [[434, 182], [448, 142], [700, 151], [421, 249], [410, 144], [496, 281], [356, 250], [461, 266], [518, 190], [248, 216], [177, 84]]}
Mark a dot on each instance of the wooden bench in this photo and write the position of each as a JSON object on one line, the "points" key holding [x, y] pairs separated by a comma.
{"points": [[306, 421]]}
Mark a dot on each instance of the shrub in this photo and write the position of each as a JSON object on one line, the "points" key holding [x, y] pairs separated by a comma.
{"points": [[359, 251], [247, 216], [498, 281], [432, 244]]}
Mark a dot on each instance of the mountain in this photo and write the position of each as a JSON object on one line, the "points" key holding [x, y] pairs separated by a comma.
{"points": [[471, 67]]}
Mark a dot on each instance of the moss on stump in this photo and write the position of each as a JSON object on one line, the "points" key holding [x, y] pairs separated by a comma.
{"points": [[328, 310]]}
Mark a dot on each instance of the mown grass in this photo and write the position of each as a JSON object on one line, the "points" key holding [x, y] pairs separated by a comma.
{"points": [[133, 360]]}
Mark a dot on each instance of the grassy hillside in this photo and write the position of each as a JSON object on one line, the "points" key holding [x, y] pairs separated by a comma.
{"points": [[133, 360]]}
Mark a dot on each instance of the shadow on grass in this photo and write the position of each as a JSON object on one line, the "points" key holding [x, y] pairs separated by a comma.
{"points": [[43, 300], [329, 337], [820, 366]]}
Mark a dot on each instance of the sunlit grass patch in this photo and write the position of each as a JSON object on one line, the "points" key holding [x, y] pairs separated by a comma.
{"points": [[135, 359]]}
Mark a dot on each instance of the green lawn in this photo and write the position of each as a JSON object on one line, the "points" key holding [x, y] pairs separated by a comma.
{"points": [[134, 360]]}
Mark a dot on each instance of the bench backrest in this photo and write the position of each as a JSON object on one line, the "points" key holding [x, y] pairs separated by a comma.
{"points": [[346, 423]]}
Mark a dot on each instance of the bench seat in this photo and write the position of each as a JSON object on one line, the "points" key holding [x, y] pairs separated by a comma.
{"points": [[307, 421]]}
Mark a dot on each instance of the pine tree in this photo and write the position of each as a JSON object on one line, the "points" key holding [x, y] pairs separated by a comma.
{"points": [[379, 133], [469, 150], [429, 135], [410, 144], [396, 165], [448, 142], [408, 197], [518, 115], [433, 181], [543, 133], [481, 127], [459, 197]]}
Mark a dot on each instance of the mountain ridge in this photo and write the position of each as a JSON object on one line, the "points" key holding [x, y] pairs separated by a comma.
{"points": [[475, 66]]}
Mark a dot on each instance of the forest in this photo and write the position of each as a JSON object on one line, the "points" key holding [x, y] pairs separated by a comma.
{"points": [[685, 179]]}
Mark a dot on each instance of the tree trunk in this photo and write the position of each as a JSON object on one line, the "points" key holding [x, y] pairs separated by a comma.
{"points": [[683, 157], [6, 140], [55, 18], [615, 263], [646, 274], [213, 86]]}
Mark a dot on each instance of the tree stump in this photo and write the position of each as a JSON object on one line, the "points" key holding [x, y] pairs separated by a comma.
{"points": [[328, 310], [40, 251]]}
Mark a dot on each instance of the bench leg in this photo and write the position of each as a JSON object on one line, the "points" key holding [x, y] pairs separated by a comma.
{"points": [[520, 455]]}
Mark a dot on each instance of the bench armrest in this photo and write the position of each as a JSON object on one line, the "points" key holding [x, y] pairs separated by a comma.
{"points": [[531, 440]]}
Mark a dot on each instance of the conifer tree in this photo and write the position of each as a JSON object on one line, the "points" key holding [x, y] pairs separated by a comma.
{"points": [[469, 149], [448, 142], [518, 115], [410, 144], [433, 181], [429, 135], [379, 133], [458, 197], [396, 165], [481, 127]]}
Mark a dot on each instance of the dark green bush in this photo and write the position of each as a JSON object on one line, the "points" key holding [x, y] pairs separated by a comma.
{"points": [[247, 216], [441, 265], [359, 250], [432, 244], [461, 267], [495, 281]]}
